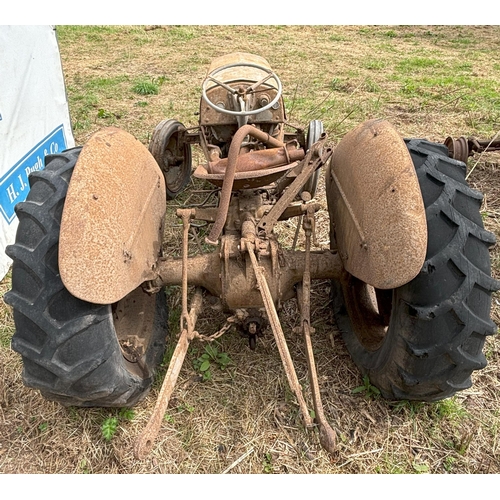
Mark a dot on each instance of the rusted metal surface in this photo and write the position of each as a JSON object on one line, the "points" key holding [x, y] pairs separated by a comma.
{"points": [[185, 215], [315, 158], [259, 160], [463, 147], [379, 216], [209, 117], [132, 317], [326, 433], [245, 73], [203, 270], [173, 154], [267, 278], [279, 336], [458, 149], [208, 271], [227, 185], [145, 442], [112, 218], [227, 273], [238, 278], [245, 180]]}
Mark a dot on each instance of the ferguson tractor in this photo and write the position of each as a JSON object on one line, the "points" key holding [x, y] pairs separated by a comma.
{"points": [[408, 256]]}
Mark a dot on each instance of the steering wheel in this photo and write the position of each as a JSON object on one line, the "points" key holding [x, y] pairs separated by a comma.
{"points": [[240, 93]]}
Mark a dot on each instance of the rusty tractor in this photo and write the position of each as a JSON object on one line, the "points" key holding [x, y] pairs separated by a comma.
{"points": [[408, 257]]}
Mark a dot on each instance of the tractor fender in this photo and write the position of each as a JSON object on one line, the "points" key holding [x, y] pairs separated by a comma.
{"points": [[376, 206], [112, 220]]}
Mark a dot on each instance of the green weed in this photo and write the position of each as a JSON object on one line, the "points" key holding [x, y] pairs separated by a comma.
{"points": [[450, 409], [463, 41], [462, 444], [464, 67], [336, 38], [365, 31], [84, 466], [81, 103], [448, 463], [367, 388], [338, 85], [420, 468], [6, 317], [102, 113], [371, 86], [127, 414], [413, 408], [109, 428], [188, 436], [110, 425], [186, 406], [267, 463], [210, 359], [72, 33], [390, 464], [146, 87]]}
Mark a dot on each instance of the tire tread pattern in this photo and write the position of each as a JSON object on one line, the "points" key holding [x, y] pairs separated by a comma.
{"points": [[431, 349], [96, 374]]}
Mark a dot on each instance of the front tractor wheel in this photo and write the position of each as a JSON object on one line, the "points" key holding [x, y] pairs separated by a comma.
{"points": [[173, 155], [314, 132], [75, 352], [422, 341]]}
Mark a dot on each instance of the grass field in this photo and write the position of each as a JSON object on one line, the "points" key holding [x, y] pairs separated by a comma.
{"points": [[430, 82]]}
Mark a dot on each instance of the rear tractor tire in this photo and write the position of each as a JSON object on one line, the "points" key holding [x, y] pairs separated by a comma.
{"points": [[75, 352], [422, 341]]}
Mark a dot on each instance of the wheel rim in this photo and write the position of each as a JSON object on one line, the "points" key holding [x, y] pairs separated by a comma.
{"points": [[314, 132], [133, 319], [172, 154], [369, 311], [174, 164]]}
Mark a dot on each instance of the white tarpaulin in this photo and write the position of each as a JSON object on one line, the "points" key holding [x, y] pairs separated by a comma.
{"points": [[34, 116]]}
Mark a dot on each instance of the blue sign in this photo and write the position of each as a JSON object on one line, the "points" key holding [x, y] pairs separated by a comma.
{"points": [[14, 185]]}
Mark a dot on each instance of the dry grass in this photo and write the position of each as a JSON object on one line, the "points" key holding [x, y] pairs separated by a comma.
{"points": [[342, 75]]}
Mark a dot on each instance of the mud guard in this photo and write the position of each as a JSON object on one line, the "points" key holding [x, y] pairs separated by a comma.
{"points": [[376, 206], [112, 219]]}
